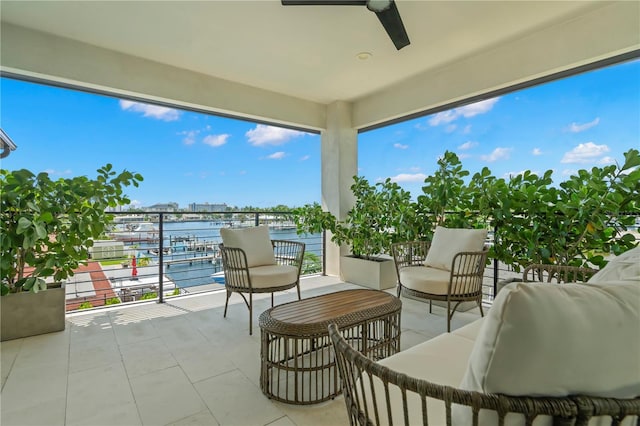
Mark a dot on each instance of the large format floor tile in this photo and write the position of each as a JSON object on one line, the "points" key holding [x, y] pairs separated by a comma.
{"points": [[177, 363]]}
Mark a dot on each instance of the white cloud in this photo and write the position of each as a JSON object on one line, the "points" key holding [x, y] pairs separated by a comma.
{"points": [[53, 172], [497, 154], [584, 153], [607, 160], [467, 129], [277, 155], [577, 128], [153, 111], [569, 172], [466, 111], [189, 136], [450, 128], [536, 151], [270, 135], [409, 177], [216, 140], [400, 146], [509, 175], [443, 117], [464, 155], [478, 108], [467, 145], [305, 157]]}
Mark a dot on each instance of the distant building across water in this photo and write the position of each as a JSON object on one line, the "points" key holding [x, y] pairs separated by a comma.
{"points": [[208, 208]]}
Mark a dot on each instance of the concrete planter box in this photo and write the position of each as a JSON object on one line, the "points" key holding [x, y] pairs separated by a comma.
{"points": [[379, 274], [28, 314]]}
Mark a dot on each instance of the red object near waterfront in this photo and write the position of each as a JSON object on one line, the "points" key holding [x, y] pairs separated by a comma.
{"points": [[134, 269]]}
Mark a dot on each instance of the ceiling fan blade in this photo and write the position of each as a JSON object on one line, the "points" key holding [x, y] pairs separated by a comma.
{"points": [[392, 23], [323, 2], [389, 17]]}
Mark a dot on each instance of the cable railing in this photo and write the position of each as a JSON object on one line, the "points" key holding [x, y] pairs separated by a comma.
{"points": [[159, 255]]}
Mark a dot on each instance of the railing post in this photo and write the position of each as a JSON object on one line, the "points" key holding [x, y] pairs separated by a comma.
{"points": [[257, 219], [324, 252], [495, 266], [161, 258]]}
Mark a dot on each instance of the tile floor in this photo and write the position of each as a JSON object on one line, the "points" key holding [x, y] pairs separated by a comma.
{"points": [[180, 363]]}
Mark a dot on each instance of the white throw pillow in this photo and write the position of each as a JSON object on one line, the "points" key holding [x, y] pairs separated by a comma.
{"points": [[255, 242], [556, 340], [447, 242], [625, 267]]}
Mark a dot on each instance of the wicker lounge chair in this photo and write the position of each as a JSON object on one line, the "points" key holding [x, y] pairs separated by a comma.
{"points": [[556, 273], [508, 353], [254, 263], [377, 395], [449, 269]]}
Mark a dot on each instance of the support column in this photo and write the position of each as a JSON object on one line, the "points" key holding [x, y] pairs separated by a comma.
{"points": [[339, 164]]}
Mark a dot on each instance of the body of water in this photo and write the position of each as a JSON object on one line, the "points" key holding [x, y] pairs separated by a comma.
{"points": [[191, 253]]}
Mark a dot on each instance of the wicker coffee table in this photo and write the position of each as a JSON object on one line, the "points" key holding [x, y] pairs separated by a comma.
{"points": [[297, 362]]}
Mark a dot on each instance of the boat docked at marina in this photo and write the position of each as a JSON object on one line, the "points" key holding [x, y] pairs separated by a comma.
{"points": [[140, 232]]}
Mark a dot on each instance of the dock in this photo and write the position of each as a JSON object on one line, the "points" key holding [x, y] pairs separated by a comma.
{"points": [[190, 260]]}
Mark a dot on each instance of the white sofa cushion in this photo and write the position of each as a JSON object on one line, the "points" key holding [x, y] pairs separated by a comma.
{"points": [[545, 339], [625, 267], [255, 242], [273, 275], [425, 279], [447, 242], [440, 360], [550, 340], [469, 331]]}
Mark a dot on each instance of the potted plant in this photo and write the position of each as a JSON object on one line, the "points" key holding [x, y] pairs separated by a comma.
{"points": [[382, 214], [47, 227]]}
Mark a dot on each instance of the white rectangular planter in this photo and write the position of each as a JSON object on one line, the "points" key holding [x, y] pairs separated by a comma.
{"points": [[28, 314], [377, 274]]}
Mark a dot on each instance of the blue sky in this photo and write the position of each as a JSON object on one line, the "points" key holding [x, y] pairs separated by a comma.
{"points": [[575, 123]]}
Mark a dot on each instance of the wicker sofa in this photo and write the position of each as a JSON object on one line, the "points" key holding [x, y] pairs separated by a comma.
{"points": [[570, 354]]}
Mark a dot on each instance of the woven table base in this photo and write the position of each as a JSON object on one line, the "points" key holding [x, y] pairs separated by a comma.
{"points": [[297, 361]]}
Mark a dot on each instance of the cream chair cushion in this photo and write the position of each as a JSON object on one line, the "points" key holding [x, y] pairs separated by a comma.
{"points": [[267, 276], [255, 242], [426, 280], [447, 242], [625, 267], [551, 340], [437, 360]]}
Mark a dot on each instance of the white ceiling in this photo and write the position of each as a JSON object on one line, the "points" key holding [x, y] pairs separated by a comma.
{"points": [[305, 52]]}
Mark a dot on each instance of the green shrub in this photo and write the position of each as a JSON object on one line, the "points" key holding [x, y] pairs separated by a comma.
{"points": [[85, 305], [148, 296], [112, 301], [311, 264]]}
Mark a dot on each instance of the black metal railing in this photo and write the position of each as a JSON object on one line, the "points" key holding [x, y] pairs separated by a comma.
{"points": [[158, 255], [155, 255]]}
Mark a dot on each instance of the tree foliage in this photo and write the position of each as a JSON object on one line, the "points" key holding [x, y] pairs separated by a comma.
{"points": [[574, 222], [48, 225], [381, 215]]}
